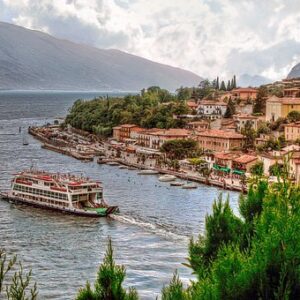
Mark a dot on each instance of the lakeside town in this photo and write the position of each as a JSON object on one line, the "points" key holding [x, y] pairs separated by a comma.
{"points": [[222, 135]]}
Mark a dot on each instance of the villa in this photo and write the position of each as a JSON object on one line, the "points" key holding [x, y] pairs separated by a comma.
{"points": [[219, 140]]}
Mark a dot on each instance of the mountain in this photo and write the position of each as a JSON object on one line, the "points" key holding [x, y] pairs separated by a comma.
{"points": [[35, 60], [295, 72], [247, 80]]}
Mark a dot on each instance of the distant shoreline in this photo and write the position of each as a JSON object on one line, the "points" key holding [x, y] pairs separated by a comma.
{"points": [[68, 91]]}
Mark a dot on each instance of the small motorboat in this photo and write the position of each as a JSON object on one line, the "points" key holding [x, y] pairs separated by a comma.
{"points": [[176, 183], [123, 167], [167, 178], [148, 172], [25, 142], [112, 163], [189, 186]]}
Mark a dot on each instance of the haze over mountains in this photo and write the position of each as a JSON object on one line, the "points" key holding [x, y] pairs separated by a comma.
{"points": [[35, 60], [295, 72]]}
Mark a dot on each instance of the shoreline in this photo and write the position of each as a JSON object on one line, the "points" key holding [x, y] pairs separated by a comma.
{"points": [[71, 151]]}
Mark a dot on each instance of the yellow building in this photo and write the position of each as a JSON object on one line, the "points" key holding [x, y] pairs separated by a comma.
{"points": [[280, 107], [292, 131]]}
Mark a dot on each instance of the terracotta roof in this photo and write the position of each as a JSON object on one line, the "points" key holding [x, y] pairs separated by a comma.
{"points": [[173, 132], [227, 122], [244, 116], [212, 102], [297, 124], [290, 101], [239, 90], [226, 156], [274, 99], [197, 122], [244, 159], [286, 100], [128, 125], [192, 104], [292, 89], [150, 130], [221, 134]]}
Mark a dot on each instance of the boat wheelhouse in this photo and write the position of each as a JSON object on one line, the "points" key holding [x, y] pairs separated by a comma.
{"points": [[63, 192]]}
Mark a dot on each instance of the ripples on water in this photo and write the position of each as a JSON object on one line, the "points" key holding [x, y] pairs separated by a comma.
{"points": [[150, 235]]}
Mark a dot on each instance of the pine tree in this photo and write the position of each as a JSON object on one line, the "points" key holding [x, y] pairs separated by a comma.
{"points": [[223, 87], [109, 281]]}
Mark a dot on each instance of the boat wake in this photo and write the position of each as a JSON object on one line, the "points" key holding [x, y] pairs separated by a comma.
{"points": [[150, 227]]}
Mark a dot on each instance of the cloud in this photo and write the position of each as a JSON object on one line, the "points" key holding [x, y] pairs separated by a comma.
{"points": [[208, 37]]}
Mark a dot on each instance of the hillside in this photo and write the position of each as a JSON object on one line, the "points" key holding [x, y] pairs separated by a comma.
{"points": [[35, 60]]}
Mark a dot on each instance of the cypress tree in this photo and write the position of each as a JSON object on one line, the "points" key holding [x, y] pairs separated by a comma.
{"points": [[234, 82], [217, 84], [228, 86], [230, 111], [223, 87]]}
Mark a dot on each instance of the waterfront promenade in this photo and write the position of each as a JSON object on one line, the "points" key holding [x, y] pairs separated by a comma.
{"points": [[86, 148], [131, 160]]}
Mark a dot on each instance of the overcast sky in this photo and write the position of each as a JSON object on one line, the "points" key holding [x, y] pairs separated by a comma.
{"points": [[208, 37]]}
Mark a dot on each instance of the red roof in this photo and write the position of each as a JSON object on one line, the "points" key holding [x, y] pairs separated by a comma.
{"points": [[191, 104], [244, 159], [225, 156], [297, 124], [128, 125], [245, 90], [286, 100], [220, 134], [212, 103]]}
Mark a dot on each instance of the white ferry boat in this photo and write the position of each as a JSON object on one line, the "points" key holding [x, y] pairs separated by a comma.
{"points": [[61, 192]]}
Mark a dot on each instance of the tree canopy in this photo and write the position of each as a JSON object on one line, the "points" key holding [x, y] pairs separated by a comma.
{"points": [[180, 148], [154, 107], [108, 285], [255, 256]]}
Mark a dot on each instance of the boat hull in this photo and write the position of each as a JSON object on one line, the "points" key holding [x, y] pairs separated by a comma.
{"points": [[65, 210]]}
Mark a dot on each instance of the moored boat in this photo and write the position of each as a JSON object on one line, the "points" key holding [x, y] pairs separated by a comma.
{"points": [[167, 178], [113, 163], [189, 186], [176, 183], [148, 172], [61, 192]]}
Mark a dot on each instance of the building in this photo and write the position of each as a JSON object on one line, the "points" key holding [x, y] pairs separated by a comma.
{"points": [[244, 93], [124, 132], [219, 140], [192, 104], [116, 133], [227, 124], [242, 119], [280, 107], [292, 132], [271, 158], [223, 160], [198, 125], [295, 166], [291, 92], [210, 109], [243, 164], [155, 138], [289, 154]]}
